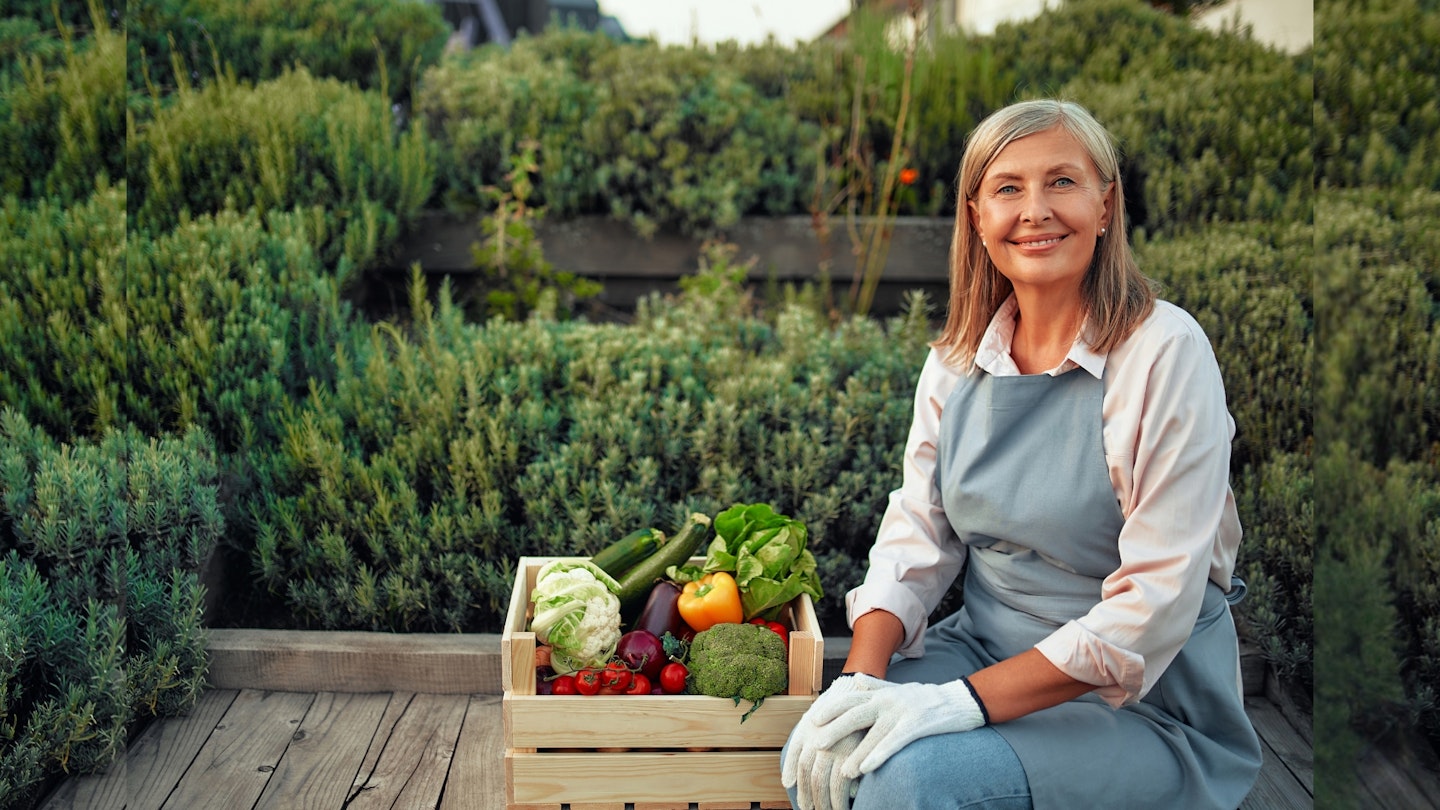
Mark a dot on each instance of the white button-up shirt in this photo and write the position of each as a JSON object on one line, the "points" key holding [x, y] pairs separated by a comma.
{"points": [[1166, 433]]}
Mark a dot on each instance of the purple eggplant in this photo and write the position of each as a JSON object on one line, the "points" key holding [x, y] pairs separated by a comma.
{"points": [[662, 612]]}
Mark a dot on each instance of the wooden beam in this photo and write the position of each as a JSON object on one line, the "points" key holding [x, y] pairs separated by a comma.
{"points": [[318, 661]]}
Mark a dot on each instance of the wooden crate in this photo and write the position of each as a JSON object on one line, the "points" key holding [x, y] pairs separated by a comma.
{"points": [[551, 741]]}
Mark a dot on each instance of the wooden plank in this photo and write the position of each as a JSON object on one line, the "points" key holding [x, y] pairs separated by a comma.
{"points": [[412, 768], [322, 661], [477, 776], [106, 790], [661, 721], [399, 704], [1293, 703], [231, 769], [1391, 784], [1276, 788], [1280, 735], [324, 755], [159, 757], [675, 778]]}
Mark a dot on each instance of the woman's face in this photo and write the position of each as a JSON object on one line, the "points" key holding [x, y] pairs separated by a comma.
{"points": [[1039, 209]]}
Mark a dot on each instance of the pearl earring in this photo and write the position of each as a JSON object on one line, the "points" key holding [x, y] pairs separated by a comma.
{"points": [[1102, 231]]}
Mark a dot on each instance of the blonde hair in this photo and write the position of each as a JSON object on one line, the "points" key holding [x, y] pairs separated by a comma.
{"points": [[1117, 296]]}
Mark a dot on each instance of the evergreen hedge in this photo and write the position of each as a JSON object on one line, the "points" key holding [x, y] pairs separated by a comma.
{"points": [[62, 113], [315, 146], [379, 45], [445, 450], [1377, 293], [100, 548]]}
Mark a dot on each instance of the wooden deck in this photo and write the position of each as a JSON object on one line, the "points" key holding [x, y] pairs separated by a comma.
{"points": [[254, 746]]}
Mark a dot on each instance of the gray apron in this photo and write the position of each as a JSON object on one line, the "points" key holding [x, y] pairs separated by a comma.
{"points": [[1021, 468]]}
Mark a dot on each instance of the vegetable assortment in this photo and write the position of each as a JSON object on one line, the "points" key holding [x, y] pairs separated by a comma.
{"points": [[625, 622]]}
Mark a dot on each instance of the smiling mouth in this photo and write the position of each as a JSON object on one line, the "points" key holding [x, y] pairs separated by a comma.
{"points": [[1054, 240]]}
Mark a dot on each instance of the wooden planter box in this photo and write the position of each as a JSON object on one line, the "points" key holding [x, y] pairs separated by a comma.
{"points": [[552, 742], [784, 249]]}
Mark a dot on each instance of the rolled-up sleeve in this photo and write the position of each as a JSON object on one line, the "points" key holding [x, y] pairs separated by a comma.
{"points": [[1180, 526], [916, 555]]}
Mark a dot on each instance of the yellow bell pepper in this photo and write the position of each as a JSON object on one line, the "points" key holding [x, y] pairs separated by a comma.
{"points": [[711, 600]]}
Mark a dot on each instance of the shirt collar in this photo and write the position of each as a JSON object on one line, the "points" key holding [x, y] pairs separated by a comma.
{"points": [[993, 354]]}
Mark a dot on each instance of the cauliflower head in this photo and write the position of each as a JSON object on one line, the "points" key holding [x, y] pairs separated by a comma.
{"points": [[577, 613], [741, 661]]}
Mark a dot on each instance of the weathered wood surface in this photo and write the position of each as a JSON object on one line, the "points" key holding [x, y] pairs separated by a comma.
{"points": [[318, 661], [249, 747], [325, 753]]}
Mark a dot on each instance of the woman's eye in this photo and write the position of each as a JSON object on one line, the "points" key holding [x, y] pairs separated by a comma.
{"points": [[1064, 181], [1007, 189]]}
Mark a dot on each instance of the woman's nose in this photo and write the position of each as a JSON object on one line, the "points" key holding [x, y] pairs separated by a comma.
{"points": [[1037, 208]]}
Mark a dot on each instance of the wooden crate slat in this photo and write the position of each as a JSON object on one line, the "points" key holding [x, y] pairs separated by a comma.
{"points": [[678, 778], [320, 764], [412, 768], [661, 721], [243, 750], [477, 777]]}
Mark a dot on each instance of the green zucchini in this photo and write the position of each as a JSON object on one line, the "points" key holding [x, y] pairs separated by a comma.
{"points": [[636, 583], [623, 554]]}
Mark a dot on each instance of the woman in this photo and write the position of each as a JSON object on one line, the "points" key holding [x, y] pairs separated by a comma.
{"points": [[1071, 443]]}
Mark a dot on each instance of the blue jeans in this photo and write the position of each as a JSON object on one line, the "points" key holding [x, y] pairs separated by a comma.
{"points": [[972, 770]]}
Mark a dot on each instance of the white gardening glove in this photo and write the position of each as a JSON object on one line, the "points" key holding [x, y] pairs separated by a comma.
{"points": [[897, 716], [822, 783], [814, 770]]}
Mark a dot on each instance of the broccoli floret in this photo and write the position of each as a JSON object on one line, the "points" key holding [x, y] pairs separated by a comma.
{"points": [[740, 661]]}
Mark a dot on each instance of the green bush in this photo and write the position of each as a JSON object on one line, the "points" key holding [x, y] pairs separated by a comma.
{"points": [[484, 105], [1277, 501], [294, 143], [219, 323], [661, 137], [1377, 88], [63, 314], [379, 45], [446, 451], [1378, 496], [60, 123], [100, 548]]}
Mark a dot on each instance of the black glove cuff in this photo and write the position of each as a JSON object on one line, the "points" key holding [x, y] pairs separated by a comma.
{"points": [[984, 712]]}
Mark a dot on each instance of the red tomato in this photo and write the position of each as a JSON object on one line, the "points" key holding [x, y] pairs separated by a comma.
{"points": [[563, 685], [777, 628], [587, 681], [782, 632], [672, 678], [615, 676], [639, 685]]}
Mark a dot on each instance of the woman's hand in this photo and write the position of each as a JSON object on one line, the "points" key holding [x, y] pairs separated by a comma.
{"points": [[893, 717], [813, 768]]}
